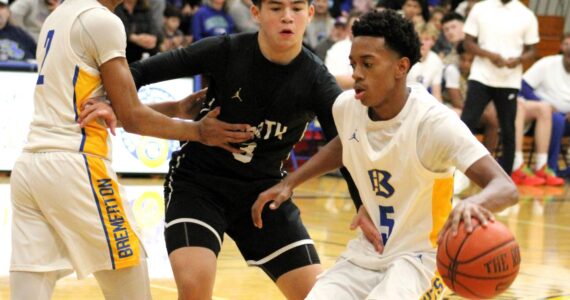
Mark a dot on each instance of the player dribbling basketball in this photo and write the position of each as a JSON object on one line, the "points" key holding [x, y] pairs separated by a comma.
{"points": [[401, 147]]}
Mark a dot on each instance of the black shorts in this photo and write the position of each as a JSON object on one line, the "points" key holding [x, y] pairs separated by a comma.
{"points": [[201, 208]]}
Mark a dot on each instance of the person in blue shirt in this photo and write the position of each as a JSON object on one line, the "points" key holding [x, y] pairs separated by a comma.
{"points": [[15, 43]]}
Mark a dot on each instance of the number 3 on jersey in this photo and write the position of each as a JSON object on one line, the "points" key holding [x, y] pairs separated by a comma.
{"points": [[47, 45]]}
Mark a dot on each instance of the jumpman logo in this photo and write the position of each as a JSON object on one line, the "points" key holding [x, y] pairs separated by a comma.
{"points": [[353, 137], [236, 95]]}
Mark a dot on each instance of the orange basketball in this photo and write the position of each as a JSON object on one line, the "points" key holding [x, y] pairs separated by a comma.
{"points": [[482, 264]]}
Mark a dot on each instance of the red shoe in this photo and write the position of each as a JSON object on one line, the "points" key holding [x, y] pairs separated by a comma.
{"points": [[549, 176], [524, 176]]}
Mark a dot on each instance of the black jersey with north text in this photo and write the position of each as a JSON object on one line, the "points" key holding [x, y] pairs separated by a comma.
{"points": [[277, 100]]}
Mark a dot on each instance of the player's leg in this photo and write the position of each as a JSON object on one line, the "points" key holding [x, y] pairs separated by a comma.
{"points": [[195, 225], [194, 271], [477, 98], [32, 285], [126, 283], [541, 113], [409, 277], [558, 128], [283, 248], [35, 269], [505, 100], [519, 133], [344, 281], [491, 123]]}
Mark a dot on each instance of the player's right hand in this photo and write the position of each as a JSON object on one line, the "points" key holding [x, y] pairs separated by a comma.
{"points": [[278, 193], [216, 133], [363, 220], [97, 109]]}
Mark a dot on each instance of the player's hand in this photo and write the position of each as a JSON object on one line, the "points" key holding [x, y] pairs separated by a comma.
{"points": [[97, 108], [497, 60], [216, 133], [362, 219], [189, 107], [512, 62], [464, 210], [278, 193]]}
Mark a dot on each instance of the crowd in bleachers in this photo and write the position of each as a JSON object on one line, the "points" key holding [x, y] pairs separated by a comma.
{"points": [[459, 63]]}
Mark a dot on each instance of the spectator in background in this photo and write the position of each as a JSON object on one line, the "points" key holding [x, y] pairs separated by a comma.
{"points": [[338, 32], [416, 11], [240, 11], [452, 25], [188, 9], [143, 38], [211, 20], [502, 35], [428, 71], [31, 14], [337, 59], [549, 80], [454, 92], [173, 38], [15, 43], [157, 8], [320, 25]]}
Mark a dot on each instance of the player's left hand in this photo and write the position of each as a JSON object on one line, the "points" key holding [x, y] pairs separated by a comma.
{"points": [[190, 106], [512, 62], [363, 220], [464, 210], [278, 193], [97, 108]]}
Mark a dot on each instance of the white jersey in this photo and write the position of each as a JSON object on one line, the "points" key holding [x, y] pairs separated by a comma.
{"points": [[407, 201], [67, 80]]}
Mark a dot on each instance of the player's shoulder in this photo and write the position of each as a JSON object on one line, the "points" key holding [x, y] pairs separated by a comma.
{"points": [[100, 18], [434, 110], [346, 99]]}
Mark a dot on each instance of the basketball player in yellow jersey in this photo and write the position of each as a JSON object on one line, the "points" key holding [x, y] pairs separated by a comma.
{"points": [[68, 210], [401, 147]]}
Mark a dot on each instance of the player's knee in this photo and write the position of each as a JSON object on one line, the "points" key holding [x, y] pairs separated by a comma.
{"points": [[193, 290]]}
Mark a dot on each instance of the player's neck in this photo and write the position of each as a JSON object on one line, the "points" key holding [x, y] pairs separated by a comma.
{"points": [[392, 105], [279, 56], [566, 64]]}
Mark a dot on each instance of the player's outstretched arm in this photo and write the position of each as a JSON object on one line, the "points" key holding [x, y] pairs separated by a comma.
{"points": [[140, 119], [498, 192], [326, 159]]}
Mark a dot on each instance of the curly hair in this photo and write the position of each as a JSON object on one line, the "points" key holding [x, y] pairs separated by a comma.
{"points": [[398, 33]]}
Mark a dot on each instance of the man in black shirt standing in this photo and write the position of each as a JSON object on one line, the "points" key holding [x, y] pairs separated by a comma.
{"points": [[269, 81]]}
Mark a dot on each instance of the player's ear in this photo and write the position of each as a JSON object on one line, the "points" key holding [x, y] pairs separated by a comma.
{"points": [[311, 11], [254, 13], [402, 67]]}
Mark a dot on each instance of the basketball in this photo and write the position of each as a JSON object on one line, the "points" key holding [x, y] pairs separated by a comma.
{"points": [[482, 264]]}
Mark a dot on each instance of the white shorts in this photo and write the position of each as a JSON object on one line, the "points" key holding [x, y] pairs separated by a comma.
{"points": [[404, 278], [68, 214]]}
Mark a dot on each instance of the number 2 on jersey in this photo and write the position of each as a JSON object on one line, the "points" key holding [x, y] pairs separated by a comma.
{"points": [[386, 221], [47, 45]]}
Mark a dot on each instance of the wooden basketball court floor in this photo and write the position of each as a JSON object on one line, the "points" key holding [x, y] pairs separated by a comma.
{"points": [[540, 222]]}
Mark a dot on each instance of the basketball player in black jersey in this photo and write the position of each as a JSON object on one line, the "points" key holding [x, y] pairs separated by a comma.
{"points": [[269, 81]]}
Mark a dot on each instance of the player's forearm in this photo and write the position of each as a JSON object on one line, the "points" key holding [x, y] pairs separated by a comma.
{"points": [[528, 54], [471, 45], [326, 159], [145, 121], [168, 108]]}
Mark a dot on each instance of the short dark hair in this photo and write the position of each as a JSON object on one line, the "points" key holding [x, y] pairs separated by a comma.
{"points": [[452, 16], [258, 2], [398, 33], [171, 11]]}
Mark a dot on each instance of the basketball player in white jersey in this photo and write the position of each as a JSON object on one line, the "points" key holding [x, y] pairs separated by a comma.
{"points": [[68, 210], [401, 146]]}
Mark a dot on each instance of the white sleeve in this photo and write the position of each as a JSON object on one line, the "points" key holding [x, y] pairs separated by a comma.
{"points": [[445, 141], [338, 110], [536, 73], [438, 72], [103, 35], [452, 76], [531, 36], [471, 26]]}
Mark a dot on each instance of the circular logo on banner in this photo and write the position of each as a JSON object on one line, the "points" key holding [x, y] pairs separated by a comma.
{"points": [[149, 209], [151, 152]]}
